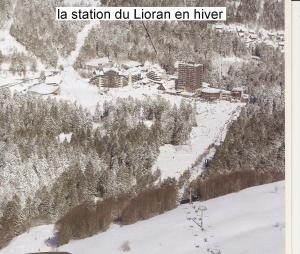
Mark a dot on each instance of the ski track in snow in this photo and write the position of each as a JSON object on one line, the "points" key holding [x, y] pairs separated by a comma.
{"points": [[246, 222], [73, 87], [213, 120]]}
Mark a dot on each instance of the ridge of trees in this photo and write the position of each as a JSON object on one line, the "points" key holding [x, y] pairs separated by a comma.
{"points": [[94, 217]]}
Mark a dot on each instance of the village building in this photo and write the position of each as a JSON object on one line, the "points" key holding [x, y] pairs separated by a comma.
{"points": [[281, 45], [134, 75], [253, 36], [98, 64], [256, 58], [110, 77], [271, 35], [245, 98], [237, 93], [225, 95], [210, 93], [154, 72], [130, 64], [219, 28], [240, 32], [190, 76], [153, 75], [161, 87]]}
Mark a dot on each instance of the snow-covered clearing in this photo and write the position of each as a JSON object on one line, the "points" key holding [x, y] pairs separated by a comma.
{"points": [[213, 120], [247, 222], [65, 137]]}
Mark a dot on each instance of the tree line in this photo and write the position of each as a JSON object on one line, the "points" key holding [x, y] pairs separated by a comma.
{"points": [[110, 152]]}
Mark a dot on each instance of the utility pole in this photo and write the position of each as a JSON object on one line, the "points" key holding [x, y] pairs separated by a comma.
{"points": [[202, 210], [190, 195], [147, 32]]}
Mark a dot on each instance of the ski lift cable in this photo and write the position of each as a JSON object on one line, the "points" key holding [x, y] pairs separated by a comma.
{"points": [[147, 32]]}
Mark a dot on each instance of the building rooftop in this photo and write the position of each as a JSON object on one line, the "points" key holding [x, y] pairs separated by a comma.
{"points": [[237, 89], [131, 64], [190, 64], [211, 90], [97, 61]]}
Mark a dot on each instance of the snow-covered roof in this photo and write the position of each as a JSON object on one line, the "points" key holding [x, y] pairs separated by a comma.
{"points": [[219, 26], [43, 88], [190, 64], [211, 90], [133, 71], [54, 79], [253, 36], [225, 92], [255, 57], [131, 64], [111, 69], [204, 84], [97, 61], [187, 93], [155, 68], [237, 89]]}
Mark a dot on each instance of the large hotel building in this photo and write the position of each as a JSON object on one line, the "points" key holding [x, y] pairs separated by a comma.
{"points": [[190, 76]]}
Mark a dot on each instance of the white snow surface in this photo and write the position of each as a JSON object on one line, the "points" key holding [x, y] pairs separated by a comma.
{"points": [[246, 222], [213, 119], [43, 88], [65, 137]]}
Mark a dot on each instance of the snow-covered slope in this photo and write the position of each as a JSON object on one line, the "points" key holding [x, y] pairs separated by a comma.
{"points": [[247, 222], [213, 120], [8, 44]]}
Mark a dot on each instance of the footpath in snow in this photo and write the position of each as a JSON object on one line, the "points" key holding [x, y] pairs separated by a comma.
{"points": [[247, 222]]}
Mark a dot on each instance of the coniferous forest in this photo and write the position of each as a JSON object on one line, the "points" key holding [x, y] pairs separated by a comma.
{"points": [[110, 153]]}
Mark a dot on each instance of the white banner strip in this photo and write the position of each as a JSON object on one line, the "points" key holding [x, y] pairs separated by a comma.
{"points": [[141, 13]]}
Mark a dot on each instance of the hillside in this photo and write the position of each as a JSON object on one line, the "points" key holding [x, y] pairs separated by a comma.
{"points": [[231, 225]]}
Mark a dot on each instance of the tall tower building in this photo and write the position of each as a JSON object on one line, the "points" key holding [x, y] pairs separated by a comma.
{"points": [[190, 76]]}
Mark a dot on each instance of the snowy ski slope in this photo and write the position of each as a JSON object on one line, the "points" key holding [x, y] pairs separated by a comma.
{"points": [[250, 221]]}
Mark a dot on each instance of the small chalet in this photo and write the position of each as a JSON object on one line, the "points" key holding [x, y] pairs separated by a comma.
{"points": [[131, 64], [237, 93], [245, 98], [161, 87]]}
